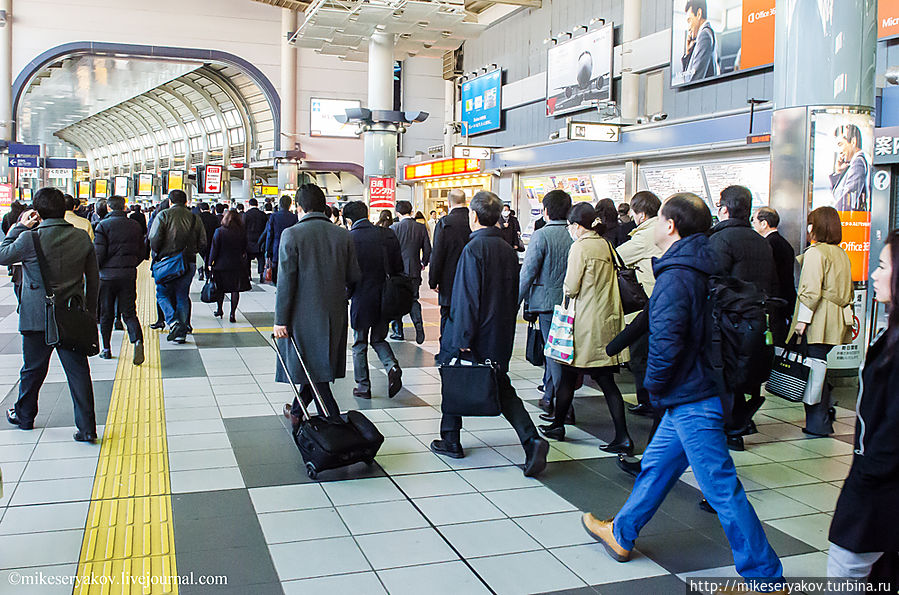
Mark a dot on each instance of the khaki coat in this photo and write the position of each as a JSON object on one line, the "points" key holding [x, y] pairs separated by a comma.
{"points": [[824, 295], [591, 282]]}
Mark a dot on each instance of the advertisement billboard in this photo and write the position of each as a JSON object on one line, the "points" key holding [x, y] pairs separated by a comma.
{"points": [[482, 103], [144, 184], [120, 186], [579, 72], [887, 19], [382, 193], [212, 180], [101, 188], [714, 38], [321, 117], [175, 180], [842, 149]]}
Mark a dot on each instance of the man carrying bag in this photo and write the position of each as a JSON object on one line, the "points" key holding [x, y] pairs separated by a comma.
{"points": [[72, 276], [481, 324]]}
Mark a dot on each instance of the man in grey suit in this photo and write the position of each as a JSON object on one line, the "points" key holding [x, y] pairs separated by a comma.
{"points": [[72, 266], [311, 300], [700, 59], [416, 247]]}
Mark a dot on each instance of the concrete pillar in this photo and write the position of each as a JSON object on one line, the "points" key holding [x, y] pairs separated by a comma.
{"points": [[247, 183], [6, 115], [449, 115], [630, 81], [380, 141], [287, 172]]}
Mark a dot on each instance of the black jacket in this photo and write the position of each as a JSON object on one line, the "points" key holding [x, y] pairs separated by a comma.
{"points": [[210, 224], [617, 234], [744, 254], [485, 300], [511, 230], [228, 251], [450, 236], [119, 245], [377, 250], [784, 261], [141, 220], [277, 223], [176, 230], [254, 220], [415, 245], [867, 516]]}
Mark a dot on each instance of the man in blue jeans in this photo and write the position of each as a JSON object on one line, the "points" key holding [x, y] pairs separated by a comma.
{"points": [[680, 382], [177, 230]]}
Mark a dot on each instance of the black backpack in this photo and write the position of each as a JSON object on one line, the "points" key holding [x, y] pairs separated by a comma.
{"points": [[737, 335]]}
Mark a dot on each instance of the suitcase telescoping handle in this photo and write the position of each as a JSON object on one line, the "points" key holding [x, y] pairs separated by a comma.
{"points": [[318, 398]]}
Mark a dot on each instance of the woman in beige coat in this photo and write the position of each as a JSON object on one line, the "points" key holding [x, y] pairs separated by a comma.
{"points": [[823, 312], [592, 286]]}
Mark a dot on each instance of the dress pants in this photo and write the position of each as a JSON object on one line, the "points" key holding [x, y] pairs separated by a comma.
{"points": [[415, 314], [324, 389], [121, 292], [693, 434], [174, 298], [444, 316], [377, 337], [259, 257], [818, 418], [512, 409], [552, 374], [639, 350], [36, 355]]}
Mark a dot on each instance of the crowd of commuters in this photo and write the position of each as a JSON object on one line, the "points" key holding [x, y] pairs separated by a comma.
{"points": [[330, 267]]}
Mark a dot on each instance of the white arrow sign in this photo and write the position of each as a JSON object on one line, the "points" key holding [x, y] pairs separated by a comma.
{"points": [[607, 133], [468, 152]]}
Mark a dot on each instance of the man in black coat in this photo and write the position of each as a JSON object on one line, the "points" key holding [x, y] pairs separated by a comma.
{"points": [[378, 253], [416, 247], [482, 322], [120, 249], [254, 221], [210, 224], [745, 255], [765, 222], [450, 236]]}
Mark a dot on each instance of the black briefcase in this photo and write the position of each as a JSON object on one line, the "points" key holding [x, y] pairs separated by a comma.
{"points": [[470, 388], [534, 350]]}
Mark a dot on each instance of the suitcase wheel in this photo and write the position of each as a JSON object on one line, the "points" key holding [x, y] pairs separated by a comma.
{"points": [[310, 471]]}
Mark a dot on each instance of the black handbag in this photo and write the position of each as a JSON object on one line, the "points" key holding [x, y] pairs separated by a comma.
{"points": [[398, 294], [534, 350], [68, 324], [633, 296], [210, 293], [469, 388]]}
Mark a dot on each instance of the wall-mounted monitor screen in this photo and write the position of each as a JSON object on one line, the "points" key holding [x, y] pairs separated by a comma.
{"points": [[322, 121], [120, 186], [101, 188], [482, 103], [579, 72], [144, 185]]}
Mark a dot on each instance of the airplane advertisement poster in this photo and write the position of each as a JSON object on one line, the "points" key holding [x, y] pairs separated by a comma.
{"points": [[579, 72]]}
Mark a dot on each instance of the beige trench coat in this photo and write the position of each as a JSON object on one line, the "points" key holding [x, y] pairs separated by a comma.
{"points": [[591, 282], [824, 295]]}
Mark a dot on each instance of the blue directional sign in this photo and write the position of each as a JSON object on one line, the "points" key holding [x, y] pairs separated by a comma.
{"points": [[25, 161], [20, 149], [482, 103]]}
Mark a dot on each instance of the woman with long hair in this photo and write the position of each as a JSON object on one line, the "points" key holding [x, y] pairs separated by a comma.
{"points": [[592, 285], [612, 230], [386, 219], [823, 312], [228, 257], [866, 518]]}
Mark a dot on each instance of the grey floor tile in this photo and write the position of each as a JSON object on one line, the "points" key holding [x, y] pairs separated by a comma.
{"points": [[181, 364], [40, 549]]}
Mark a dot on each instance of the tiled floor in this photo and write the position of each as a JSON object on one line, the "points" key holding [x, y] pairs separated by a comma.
{"points": [[413, 522]]}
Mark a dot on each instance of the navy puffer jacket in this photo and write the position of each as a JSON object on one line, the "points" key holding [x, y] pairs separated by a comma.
{"points": [[676, 372]]}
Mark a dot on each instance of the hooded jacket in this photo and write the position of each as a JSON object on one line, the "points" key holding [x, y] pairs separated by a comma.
{"points": [[676, 372]]}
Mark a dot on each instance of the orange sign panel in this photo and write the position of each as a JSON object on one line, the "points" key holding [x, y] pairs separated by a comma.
{"points": [[757, 35], [887, 18], [441, 168]]}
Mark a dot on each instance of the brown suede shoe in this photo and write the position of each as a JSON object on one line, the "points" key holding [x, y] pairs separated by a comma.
{"points": [[601, 531]]}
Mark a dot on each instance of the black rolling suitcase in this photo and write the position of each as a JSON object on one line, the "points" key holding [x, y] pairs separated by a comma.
{"points": [[331, 442]]}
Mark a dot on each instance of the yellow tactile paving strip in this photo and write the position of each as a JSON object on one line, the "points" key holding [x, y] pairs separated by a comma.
{"points": [[129, 543]]}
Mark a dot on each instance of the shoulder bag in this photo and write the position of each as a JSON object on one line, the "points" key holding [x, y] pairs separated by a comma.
{"points": [[165, 270], [68, 324], [398, 294], [633, 296], [469, 388]]}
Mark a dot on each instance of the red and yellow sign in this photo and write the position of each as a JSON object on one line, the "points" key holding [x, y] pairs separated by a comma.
{"points": [[442, 168], [887, 18]]}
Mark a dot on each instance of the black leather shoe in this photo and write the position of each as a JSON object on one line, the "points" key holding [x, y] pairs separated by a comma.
{"points": [[419, 333], [361, 394], [80, 436], [12, 418], [550, 417], [447, 449], [535, 451], [735, 443], [394, 381], [625, 446], [554, 432], [547, 406], [106, 354], [218, 314], [704, 505], [804, 431], [158, 325], [640, 409], [541, 388], [396, 337], [138, 353], [630, 465]]}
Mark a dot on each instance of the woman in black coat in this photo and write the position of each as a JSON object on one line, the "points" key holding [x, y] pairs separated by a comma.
{"points": [[228, 256], [866, 520]]}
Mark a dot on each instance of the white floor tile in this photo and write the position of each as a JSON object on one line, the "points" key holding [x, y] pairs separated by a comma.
{"points": [[401, 445], [529, 572], [381, 516], [529, 501], [289, 497], [419, 462], [434, 484], [476, 458], [202, 459], [812, 529], [461, 508], [405, 548], [498, 478], [300, 525], [40, 549], [322, 557], [489, 538], [39, 470], [820, 496], [447, 578], [362, 491], [34, 573], [53, 490], [592, 564], [45, 517], [555, 530], [771, 504], [341, 584], [205, 480], [188, 442]]}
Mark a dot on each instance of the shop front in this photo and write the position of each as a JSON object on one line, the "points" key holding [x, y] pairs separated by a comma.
{"points": [[432, 182]]}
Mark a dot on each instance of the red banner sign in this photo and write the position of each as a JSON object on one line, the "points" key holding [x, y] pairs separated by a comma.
{"points": [[213, 183], [382, 193]]}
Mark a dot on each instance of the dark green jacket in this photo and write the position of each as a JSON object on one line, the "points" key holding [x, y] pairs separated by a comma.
{"points": [[175, 230]]}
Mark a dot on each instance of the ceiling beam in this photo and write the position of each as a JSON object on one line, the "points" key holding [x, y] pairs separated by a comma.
{"points": [[528, 3]]}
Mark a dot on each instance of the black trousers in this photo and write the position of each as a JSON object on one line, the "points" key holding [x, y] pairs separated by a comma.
{"points": [[818, 418], [259, 257], [444, 316], [324, 389], [119, 295], [36, 355], [512, 409], [639, 354], [605, 378]]}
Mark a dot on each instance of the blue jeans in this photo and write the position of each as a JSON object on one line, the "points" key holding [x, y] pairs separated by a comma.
{"points": [[693, 434], [174, 297]]}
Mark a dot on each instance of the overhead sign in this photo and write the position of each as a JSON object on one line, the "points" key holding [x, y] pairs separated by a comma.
{"points": [[482, 102], [466, 152], [607, 133], [579, 72], [20, 149], [145, 184], [758, 139], [382, 193], [23, 161], [212, 181], [59, 172], [322, 121], [29, 172], [442, 168]]}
